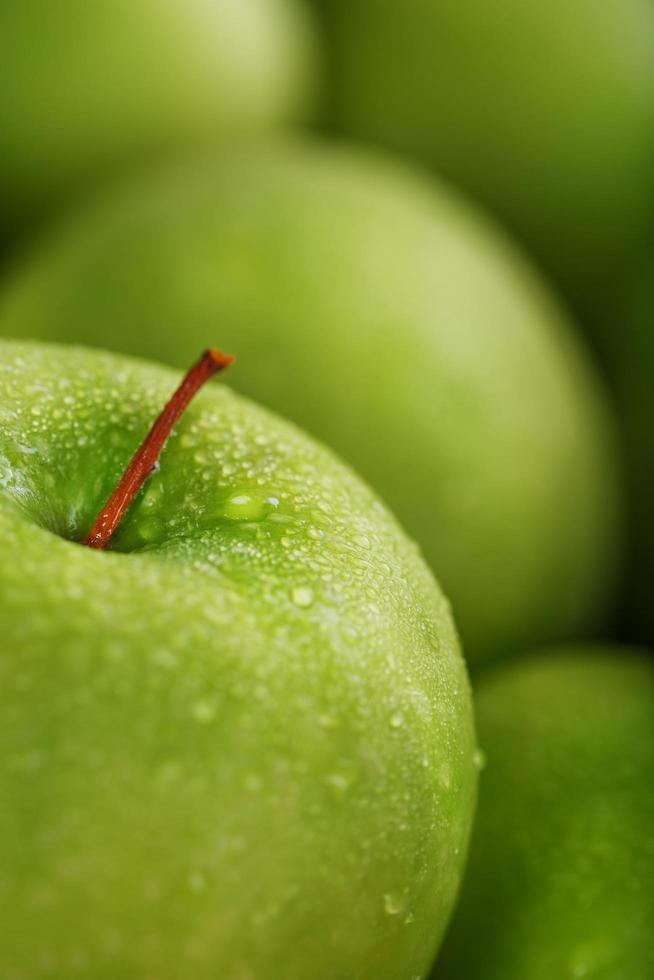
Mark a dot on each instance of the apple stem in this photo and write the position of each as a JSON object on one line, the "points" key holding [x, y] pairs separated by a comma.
{"points": [[145, 459]]}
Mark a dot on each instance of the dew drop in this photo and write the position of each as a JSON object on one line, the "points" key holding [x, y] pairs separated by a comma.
{"points": [[445, 776], [152, 495], [302, 596], [393, 903], [479, 760], [396, 720], [248, 506]]}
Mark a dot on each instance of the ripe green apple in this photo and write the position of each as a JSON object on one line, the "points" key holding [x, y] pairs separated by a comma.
{"points": [[380, 312], [85, 86], [237, 745], [559, 882], [544, 110]]}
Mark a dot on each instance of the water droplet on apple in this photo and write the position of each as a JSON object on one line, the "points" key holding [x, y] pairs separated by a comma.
{"points": [[248, 505], [396, 720], [479, 759], [152, 495], [302, 597], [445, 776], [393, 903]]}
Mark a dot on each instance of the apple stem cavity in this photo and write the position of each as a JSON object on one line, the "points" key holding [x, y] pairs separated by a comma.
{"points": [[146, 458]]}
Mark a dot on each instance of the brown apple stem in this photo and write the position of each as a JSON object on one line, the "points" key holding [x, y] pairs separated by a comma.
{"points": [[145, 458]]}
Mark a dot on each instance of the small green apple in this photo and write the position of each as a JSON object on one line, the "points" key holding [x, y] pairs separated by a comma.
{"points": [[383, 314], [559, 882], [542, 109], [85, 85], [239, 744]]}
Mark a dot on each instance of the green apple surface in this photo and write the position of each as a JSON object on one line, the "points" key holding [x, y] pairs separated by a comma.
{"points": [[559, 881], [239, 744], [543, 110], [85, 86], [380, 312]]}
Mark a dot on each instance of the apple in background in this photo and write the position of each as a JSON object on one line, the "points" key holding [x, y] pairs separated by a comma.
{"points": [[87, 86], [559, 880], [544, 110], [382, 313], [239, 744]]}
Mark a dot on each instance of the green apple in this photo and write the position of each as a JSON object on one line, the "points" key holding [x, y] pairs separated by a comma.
{"points": [[237, 745], [86, 85], [544, 110], [382, 313], [559, 883]]}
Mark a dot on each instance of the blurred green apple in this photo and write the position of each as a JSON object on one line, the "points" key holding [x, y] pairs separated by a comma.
{"points": [[238, 745], [380, 312], [559, 882], [543, 110], [85, 86]]}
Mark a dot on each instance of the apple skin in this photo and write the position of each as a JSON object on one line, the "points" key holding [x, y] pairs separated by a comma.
{"points": [[559, 880], [241, 743], [542, 110], [85, 87], [381, 313]]}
